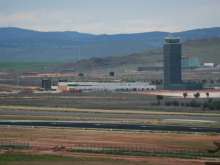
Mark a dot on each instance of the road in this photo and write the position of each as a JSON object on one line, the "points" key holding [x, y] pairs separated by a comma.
{"points": [[105, 125], [108, 115]]}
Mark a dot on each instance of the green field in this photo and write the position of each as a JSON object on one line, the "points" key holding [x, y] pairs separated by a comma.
{"points": [[23, 159]]}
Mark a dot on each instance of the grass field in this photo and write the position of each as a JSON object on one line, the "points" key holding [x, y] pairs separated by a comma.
{"points": [[8, 158]]}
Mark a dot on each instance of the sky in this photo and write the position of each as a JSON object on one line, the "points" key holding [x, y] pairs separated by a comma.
{"points": [[110, 16]]}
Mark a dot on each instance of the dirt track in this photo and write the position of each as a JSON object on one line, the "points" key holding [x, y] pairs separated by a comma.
{"points": [[106, 111], [63, 137]]}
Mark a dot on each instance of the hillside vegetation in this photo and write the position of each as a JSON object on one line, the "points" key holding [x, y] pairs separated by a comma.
{"points": [[20, 45], [206, 50]]}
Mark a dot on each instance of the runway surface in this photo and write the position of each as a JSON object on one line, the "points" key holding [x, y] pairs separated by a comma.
{"points": [[105, 125], [108, 115]]}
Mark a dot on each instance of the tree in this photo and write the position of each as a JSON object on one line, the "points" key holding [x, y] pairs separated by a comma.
{"points": [[204, 81], [184, 94], [158, 102], [81, 74], [159, 97], [207, 94], [157, 82], [196, 95], [111, 73], [175, 103]]}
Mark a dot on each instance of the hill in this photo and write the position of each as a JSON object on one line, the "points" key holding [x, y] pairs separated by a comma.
{"points": [[20, 45], [206, 50]]}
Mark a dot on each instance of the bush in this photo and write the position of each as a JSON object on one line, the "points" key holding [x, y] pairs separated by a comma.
{"points": [[81, 74], [175, 103], [195, 104], [111, 73], [212, 134], [215, 105], [210, 100], [158, 102], [159, 97]]}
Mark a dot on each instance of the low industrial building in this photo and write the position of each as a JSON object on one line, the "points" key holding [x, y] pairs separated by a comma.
{"points": [[208, 64], [189, 62], [105, 86]]}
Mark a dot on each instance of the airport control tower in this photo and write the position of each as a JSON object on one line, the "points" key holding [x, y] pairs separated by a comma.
{"points": [[172, 61], [172, 66]]}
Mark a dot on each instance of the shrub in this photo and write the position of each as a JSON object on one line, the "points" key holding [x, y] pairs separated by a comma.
{"points": [[212, 134], [210, 100], [204, 81], [184, 94], [212, 105], [175, 103], [195, 104], [81, 74], [159, 97], [158, 102], [111, 73]]}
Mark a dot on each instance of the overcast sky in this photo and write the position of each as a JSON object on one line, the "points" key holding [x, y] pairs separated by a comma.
{"points": [[110, 16]]}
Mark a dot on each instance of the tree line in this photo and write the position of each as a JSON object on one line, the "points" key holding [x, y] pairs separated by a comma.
{"points": [[210, 104]]}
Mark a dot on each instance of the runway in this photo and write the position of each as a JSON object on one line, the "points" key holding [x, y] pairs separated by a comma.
{"points": [[108, 115], [106, 125]]}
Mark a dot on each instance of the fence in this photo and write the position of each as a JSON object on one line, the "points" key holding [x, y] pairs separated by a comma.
{"points": [[141, 149], [14, 144], [122, 149]]}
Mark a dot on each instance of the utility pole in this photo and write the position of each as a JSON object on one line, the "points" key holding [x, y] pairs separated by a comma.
{"points": [[79, 52], [36, 81], [18, 75]]}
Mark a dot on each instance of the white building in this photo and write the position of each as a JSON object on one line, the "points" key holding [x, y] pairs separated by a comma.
{"points": [[105, 86], [208, 64]]}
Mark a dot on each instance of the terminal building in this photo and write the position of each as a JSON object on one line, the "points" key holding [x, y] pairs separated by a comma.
{"points": [[105, 86], [172, 66]]}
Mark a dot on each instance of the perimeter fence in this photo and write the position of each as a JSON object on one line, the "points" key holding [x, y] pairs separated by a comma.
{"points": [[120, 149], [14, 144], [143, 150]]}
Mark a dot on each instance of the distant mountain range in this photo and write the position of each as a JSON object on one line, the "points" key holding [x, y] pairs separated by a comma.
{"points": [[17, 45]]}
